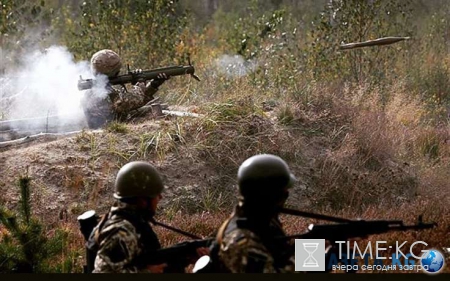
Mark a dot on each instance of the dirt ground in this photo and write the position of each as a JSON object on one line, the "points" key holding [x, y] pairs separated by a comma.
{"points": [[74, 173]]}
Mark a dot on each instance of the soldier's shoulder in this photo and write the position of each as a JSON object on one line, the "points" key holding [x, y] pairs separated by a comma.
{"points": [[242, 251], [116, 87], [118, 225], [240, 238]]}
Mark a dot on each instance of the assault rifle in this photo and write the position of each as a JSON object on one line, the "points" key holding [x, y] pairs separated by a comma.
{"points": [[346, 228], [358, 229], [140, 76], [180, 255], [343, 230]]}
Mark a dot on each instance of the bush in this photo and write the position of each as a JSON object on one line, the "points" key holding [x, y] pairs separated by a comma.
{"points": [[22, 24]]}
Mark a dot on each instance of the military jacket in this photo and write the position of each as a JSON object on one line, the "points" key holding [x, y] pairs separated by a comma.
{"points": [[246, 248], [124, 239], [113, 103]]}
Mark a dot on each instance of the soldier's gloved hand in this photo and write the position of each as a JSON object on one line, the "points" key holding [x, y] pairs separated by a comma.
{"points": [[142, 86], [203, 251], [329, 252], [159, 268], [159, 80]]}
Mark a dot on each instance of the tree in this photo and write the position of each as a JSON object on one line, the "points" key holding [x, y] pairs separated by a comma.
{"points": [[25, 247], [144, 33], [22, 24]]}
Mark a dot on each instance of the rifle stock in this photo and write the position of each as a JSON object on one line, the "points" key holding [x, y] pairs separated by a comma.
{"points": [[87, 222], [145, 75]]}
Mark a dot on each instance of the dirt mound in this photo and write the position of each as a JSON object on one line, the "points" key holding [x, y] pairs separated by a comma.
{"points": [[198, 158], [76, 172]]}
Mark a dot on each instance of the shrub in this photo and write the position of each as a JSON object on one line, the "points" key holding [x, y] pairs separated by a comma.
{"points": [[143, 33], [26, 246]]}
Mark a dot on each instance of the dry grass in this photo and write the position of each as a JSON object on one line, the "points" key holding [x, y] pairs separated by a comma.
{"points": [[357, 159], [368, 151], [359, 151]]}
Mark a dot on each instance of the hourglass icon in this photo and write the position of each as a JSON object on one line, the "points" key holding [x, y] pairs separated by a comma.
{"points": [[310, 260]]}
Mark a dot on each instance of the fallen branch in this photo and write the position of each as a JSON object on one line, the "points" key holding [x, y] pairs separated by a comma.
{"points": [[44, 123], [181, 113], [41, 136], [159, 110]]}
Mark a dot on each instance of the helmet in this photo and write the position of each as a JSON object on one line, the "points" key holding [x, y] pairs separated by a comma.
{"points": [[264, 177], [106, 62], [138, 179]]}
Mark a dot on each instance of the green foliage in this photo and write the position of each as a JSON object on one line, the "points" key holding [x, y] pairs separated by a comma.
{"points": [[435, 84], [245, 34], [357, 21], [436, 33], [428, 69], [24, 184], [25, 245], [144, 33], [18, 15], [266, 37], [117, 127], [233, 110], [285, 115], [429, 145], [22, 24]]}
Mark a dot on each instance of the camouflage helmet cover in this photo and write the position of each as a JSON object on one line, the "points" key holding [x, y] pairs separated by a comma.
{"points": [[138, 179], [264, 176], [106, 62]]}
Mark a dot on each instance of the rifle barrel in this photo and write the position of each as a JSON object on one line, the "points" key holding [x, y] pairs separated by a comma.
{"points": [[288, 211], [343, 231], [182, 232]]}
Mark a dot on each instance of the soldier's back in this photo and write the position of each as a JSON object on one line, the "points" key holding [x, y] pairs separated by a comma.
{"points": [[123, 242], [246, 250], [98, 107]]}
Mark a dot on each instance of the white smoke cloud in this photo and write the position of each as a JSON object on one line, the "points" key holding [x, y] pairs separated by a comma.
{"points": [[235, 66], [48, 83], [44, 84], [99, 90]]}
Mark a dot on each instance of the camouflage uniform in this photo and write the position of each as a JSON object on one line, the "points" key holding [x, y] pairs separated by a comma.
{"points": [[243, 248], [124, 239], [114, 102], [249, 241], [116, 105]]}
